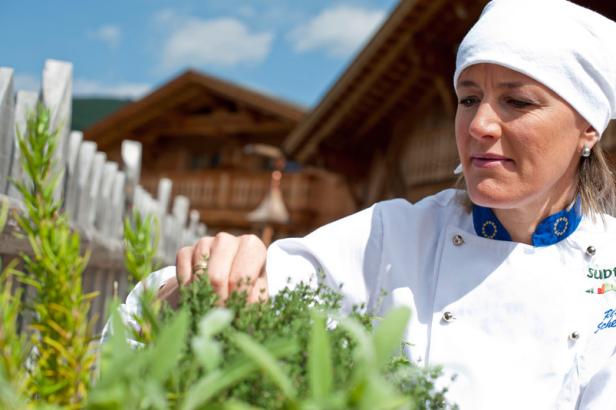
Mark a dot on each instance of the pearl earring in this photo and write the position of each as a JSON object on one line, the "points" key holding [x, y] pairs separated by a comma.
{"points": [[585, 151]]}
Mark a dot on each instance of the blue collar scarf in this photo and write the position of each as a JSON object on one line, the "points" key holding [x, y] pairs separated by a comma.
{"points": [[551, 230]]}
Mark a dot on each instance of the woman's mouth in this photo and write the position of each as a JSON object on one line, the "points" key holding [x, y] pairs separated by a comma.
{"points": [[489, 160]]}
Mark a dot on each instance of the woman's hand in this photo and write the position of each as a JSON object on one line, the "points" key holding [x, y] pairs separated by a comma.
{"points": [[230, 262]]}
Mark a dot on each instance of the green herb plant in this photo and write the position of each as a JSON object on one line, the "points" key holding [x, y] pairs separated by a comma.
{"points": [[13, 344], [55, 349], [141, 235], [295, 351]]}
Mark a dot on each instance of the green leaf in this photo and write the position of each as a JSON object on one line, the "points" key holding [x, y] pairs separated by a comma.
{"points": [[112, 397], [237, 405], [168, 346], [320, 371], [262, 357], [4, 212], [389, 333], [154, 394], [214, 383], [365, 347], [215, 321], [379, 394], [116, 350], [208, 387], [207, 350]]}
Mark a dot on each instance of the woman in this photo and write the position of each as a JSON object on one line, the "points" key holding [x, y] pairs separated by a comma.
{"points": [[508, 279]]}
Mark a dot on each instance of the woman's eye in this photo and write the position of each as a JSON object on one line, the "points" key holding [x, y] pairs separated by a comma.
{"points": [[518, 103], [468, 101]]}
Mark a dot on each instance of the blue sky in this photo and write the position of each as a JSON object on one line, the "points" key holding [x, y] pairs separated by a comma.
{"points": [[294, 49]]}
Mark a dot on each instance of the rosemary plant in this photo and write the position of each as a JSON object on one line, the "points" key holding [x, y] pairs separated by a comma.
{"points": [[61, 358], [13, 344], [141, 234]]}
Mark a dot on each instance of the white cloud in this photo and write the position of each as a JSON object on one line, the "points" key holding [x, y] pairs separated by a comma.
{"points": [[217, 42], [166, 17], [108, 34], [26, 82], [246, 11], [339, 31], [83, 87]]}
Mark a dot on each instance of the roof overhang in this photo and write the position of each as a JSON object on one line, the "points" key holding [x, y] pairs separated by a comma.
{"points": [[410, 57], [190, 85]]}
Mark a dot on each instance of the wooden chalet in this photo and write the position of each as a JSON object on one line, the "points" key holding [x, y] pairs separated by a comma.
{"points": [[387, 123], [383, 130], [195, 130]]}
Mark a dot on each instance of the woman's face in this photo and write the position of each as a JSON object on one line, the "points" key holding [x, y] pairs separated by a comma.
{"points": [[518, 141]]}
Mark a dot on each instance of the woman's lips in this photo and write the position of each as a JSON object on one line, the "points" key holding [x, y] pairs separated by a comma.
{"points": [[489, 160]]}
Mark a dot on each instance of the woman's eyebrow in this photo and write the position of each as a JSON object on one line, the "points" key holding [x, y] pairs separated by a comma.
{"points": [[507, 84], [468, 83], [511, 85]]}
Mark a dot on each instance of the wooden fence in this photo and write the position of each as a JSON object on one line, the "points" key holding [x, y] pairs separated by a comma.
{"points": [[96, 193], [105, 272]]}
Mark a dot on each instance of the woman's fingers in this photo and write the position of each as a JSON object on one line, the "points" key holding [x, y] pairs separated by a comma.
{"points": [[223, 251], [183, 264], [232, 263], [201, 256], [259, 291], [170, 291], [247, 264]]}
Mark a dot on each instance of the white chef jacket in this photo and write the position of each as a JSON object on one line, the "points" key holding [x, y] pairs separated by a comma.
{"points": [[513, 323]]}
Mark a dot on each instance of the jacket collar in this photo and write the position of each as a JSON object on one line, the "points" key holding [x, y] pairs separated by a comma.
{"points": [[551, 230]]}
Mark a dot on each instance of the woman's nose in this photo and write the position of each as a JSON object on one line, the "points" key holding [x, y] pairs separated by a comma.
{"points": [[485, 123]]}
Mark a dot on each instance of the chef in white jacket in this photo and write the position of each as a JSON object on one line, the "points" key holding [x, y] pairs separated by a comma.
{"points": [[512, 281]]}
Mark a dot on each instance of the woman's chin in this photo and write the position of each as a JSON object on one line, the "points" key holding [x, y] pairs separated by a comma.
{"points": [[491, 196]]}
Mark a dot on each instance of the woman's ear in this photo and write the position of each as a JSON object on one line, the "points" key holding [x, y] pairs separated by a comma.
{"points": [[590, 137]]}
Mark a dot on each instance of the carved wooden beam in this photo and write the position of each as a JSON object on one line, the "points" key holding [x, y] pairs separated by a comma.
{"points": [[215, 128], [135, 115]]}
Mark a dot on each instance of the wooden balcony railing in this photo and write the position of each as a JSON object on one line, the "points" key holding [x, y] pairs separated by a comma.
{"points": [[229, 195]]}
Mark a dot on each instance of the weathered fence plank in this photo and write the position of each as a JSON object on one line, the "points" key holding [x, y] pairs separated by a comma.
{"points": [[103, 208], [131, 165], [7, 116], [96, 194], [117, 205], [87, 206], [57, 95], [24, 103], [83, 168], [70, 199]]}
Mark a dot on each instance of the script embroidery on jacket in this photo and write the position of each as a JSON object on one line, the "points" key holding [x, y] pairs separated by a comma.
{"points": [[609, 320]]}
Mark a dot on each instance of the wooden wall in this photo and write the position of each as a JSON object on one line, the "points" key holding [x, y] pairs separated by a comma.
{"points": [[421, 155]]}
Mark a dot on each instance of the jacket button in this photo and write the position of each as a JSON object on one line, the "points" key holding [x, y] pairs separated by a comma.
{"points": [[457, 240], [448, 317], [591, 250], [574, 336]]}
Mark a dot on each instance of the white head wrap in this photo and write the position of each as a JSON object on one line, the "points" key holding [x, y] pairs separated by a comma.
{"points": [[566, 47]]}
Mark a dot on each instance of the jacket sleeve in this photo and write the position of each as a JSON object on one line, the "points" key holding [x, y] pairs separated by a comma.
{"points": [[131, 307], [346, 252]]}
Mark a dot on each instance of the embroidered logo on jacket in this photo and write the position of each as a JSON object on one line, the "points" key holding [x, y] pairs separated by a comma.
{"points": [[605, 287], [607, 276], [609, 320], [601, 273]]}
